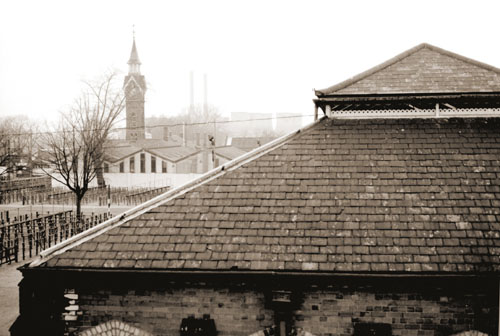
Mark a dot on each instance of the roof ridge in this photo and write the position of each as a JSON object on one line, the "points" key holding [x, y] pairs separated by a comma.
{"points": [[398, 58], [463, 58], [166, 197]]}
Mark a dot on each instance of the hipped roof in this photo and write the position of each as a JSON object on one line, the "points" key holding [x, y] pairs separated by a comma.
{"points": [[422, 69]]}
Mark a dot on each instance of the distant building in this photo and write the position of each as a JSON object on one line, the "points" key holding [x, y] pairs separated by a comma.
{"points": [[131, 159], [154, 150], [245, 124]]}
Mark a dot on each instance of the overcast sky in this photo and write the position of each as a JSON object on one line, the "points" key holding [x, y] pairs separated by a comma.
{"points": [[260, 56]]}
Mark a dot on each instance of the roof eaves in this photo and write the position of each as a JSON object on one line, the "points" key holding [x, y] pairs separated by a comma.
{"points": [[187, 156], [161, 156], [164, 198], [170, 159], [119, 158], [237, 272]]}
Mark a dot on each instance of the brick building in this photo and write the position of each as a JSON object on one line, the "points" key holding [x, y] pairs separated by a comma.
{"points": [[381, 218]]}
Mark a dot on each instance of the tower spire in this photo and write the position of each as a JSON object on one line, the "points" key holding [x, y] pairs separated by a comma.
{"points": [[134, 86], [134, 64]]}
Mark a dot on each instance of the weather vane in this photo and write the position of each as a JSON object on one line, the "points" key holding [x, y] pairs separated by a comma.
{"points": [[133, 31]]}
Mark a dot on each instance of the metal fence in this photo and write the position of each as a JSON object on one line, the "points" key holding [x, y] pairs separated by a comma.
{"points": [[95, 195], [25, 237]]}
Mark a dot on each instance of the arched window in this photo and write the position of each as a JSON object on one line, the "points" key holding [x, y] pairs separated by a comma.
{"points": [[114, 327]]}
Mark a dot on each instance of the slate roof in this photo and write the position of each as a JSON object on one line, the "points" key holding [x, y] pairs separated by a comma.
{"points": [[356, 196], [229, 152], [114, 154], [422, 69], [174, 154]]}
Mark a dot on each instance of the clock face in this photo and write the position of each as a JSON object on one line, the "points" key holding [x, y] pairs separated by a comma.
{"points": [[133, 89]]}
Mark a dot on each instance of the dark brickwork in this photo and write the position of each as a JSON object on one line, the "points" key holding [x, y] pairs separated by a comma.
{"points": [[236, 311], [326, 308], [335, 310], [135, 117]]}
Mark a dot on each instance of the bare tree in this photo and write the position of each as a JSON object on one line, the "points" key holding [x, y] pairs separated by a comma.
{"points": [[75, 151]]}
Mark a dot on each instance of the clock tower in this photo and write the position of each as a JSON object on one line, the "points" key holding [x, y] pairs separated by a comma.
{"points": [[134, 86]]}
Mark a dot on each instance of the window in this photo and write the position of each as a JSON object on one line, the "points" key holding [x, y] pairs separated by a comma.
{"points": [[198, 326], [164, 166], [143, 163], [132, 165], [153, 164], [372, 329], [122, 167], [106, 167]]}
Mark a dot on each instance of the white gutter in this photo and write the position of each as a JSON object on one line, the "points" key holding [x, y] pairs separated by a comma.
{"points": [[163, 198]]}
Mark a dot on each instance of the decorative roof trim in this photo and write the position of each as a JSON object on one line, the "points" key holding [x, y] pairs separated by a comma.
{"points": [[164, 198], [414, 113], [397, 58]]}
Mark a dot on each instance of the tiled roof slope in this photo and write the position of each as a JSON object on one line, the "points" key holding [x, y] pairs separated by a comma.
{"points": [[229, 152], [422, 69], [174, 154], [114, 154], [380, 195]]}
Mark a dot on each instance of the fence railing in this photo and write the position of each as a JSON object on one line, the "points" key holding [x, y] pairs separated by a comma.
{"points": [[16, 190], [27, 183], [145, 195], [95, 195], [27, 236]]}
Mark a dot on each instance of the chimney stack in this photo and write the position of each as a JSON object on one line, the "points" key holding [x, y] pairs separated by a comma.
{"points": [[191, 98], [205, 94]]}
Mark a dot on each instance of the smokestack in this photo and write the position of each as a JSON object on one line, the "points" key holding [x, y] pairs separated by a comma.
{"points": [[205, 95], [184, 134], [191, 82]]}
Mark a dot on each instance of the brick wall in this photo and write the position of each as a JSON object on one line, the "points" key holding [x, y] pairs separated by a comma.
{"points": [[241, 306], [235, 311], [432, 309]]}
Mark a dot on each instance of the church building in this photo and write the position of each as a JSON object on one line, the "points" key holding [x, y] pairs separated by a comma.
{"points": [[134, 87]]}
